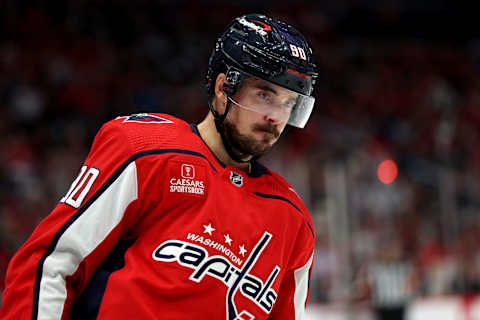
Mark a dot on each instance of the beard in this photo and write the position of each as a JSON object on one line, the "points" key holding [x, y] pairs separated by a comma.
{"points": [[248, 146]]}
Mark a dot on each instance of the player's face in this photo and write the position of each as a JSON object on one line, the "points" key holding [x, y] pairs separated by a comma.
{"points": [[258, 115]]}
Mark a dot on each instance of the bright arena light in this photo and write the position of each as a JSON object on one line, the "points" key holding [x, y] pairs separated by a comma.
{"points": [[387, 171]]}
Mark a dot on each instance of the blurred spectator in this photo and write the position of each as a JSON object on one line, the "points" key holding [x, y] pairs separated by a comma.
{"points": [[399, 79]]}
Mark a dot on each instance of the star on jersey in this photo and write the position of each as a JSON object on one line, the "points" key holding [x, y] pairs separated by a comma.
{"points": [[228, 239], [208, 229], [242, 250]]}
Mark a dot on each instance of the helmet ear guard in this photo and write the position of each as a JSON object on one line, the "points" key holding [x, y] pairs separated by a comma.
{"points": [[233, 76], [233, 81]]}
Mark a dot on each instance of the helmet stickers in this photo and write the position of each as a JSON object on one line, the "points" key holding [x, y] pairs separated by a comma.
{"points": [[255, 25]]}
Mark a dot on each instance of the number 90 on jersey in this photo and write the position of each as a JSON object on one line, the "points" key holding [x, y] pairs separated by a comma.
{"points": [[80, 187]]}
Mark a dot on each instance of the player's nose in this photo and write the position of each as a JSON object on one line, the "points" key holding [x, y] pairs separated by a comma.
{"points": [[272, 119]]}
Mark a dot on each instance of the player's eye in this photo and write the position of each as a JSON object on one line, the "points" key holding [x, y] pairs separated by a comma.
{"points": [[265, 96], [288, 104]]}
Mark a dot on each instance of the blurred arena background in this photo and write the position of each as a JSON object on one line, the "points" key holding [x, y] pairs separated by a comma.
{"points": [[399, 80]]}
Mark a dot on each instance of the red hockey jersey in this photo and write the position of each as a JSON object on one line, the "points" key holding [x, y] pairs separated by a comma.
{"points": [[156, 227]]}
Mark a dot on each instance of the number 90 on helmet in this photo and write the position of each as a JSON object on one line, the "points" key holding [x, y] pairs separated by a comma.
{"points": [[255, 45]]}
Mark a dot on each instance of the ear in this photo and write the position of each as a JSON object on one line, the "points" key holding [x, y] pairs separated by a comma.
{"points": [[220, 96]]}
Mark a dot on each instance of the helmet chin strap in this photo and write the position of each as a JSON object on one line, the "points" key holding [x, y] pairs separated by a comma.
{"points": [[219, 124]]}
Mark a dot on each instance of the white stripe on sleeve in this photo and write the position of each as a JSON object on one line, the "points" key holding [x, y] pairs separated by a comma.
{"points": [[301, 289], [81, 238]]}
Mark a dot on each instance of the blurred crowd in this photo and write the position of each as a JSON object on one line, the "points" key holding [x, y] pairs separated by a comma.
{"points": [[382, 94]]}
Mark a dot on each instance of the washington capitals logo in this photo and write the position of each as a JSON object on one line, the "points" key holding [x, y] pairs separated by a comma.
{"points": [[145, 118], [237, 280]]}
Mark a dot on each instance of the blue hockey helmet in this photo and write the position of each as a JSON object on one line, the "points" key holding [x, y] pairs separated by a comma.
{"points": [[255, 45]]}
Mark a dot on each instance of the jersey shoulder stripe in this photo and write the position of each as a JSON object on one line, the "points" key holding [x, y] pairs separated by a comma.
{"points": [[165, 151], [271, 196], [125, 175], [282, 189], [101, 190]]}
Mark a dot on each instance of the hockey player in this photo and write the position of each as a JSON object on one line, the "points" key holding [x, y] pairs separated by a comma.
{"points": [[168, 220]]}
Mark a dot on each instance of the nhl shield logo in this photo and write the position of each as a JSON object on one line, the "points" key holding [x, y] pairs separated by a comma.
{"points": [[236, 179]]}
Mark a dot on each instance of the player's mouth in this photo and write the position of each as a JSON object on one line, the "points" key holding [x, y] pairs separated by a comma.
{"points": [[268, 130]]}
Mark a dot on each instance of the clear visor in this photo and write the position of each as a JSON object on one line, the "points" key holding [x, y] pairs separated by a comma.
{"points": [[275, 102]]}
